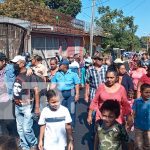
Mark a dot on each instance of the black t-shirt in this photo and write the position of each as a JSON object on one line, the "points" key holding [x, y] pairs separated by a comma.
{"points": [[24, 85]]}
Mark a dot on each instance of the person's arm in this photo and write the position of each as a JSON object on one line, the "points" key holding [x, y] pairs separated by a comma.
{"points": [[77, 87], [93, 105], [87, 86], [29, 71], [87, 91], [126, 108], [76, 81], [53, 82], [138, 89], [69, 136], [42, 124], [41, 136], [37, 100]]}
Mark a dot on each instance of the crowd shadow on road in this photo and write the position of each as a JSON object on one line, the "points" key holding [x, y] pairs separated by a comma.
{"points": [[88, 137]]}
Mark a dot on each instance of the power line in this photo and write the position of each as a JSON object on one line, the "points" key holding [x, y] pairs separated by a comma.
{"points": [[95, 5], [127, 4], [100, 2], [86, 15], [138, 5]]}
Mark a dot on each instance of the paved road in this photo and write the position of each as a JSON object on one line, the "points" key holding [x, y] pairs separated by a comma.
{"points": [[82, 135]]}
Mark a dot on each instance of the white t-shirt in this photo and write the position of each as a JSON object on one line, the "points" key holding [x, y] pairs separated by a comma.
{"points": [[74, 64], [55, 131]]}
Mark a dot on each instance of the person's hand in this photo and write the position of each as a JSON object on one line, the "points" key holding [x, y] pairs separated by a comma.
{"points": [[89, 119], [40, 145], [76, 97], [29, 72], [129, 123], [128, 127], [40, 72], [86, 98], [70, 145], [37, 111]]}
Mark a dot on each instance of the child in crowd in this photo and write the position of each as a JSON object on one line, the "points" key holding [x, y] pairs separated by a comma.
{"points": [[109, 133], [141, 112], [54, 122]]}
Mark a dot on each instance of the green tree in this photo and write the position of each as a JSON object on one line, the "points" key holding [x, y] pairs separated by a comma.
{"points": [[34, 11], [143, 40], [70, 7], [118, 29]]}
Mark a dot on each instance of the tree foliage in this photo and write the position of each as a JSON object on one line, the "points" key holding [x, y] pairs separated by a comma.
{"points": [[70, 7], [118, 29], [35, 11]]}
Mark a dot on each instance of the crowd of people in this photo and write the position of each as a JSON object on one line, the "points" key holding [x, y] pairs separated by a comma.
{"points": [[38, 102]]}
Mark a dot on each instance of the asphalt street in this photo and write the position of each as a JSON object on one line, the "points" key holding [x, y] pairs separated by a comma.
{"points": [[83, 135]]}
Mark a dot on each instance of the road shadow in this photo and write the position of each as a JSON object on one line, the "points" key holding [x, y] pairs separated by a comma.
{"points": [[88, 136]]}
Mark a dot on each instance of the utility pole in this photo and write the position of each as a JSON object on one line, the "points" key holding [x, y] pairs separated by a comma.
{"points": [[92, 26], [147, 42]]}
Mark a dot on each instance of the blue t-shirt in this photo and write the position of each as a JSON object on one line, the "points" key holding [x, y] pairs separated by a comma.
{"points": [[142, 114], [65, 81]]}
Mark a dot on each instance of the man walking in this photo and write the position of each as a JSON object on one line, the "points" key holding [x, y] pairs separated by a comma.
{"points": [[95, 75], [25, 91], [67, 83]]}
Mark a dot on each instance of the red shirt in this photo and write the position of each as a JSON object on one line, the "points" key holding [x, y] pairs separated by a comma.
{"points": [[145, 79], [102, 95]]}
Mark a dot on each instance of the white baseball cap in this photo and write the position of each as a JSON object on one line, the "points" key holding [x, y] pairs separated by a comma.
{"points": [[118, 60], [17, 58]]}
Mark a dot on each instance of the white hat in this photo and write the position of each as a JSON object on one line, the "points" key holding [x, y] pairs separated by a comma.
{"points": [[17, 58], [118, 60]]}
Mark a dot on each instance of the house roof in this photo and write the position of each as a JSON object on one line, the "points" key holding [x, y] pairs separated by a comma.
{"points": [[44, 28], [22, 23]]}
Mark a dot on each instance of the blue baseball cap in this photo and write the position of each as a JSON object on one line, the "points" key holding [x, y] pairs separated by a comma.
{"points": [[64, 62]]}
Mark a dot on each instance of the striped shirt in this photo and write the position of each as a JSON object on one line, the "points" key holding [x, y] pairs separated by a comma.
{"points": [[94, 78]]}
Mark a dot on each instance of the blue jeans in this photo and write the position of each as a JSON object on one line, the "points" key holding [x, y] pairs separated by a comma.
{"points": [[24, 126], [69, 102]]}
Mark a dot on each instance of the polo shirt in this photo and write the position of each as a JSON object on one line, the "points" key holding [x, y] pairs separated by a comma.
{"points": [[65, 81], [142, 114]]}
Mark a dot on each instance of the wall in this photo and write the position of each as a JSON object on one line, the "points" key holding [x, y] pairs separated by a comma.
{"points": [[51, 43]]}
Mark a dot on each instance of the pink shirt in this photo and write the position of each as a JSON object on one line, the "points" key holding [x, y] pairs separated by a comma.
{"points": [[136, 75], [102, 95]]}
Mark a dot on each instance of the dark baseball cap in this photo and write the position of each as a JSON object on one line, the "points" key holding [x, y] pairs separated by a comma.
{"points": [[97, 58], [64, 62], [2, 56]]}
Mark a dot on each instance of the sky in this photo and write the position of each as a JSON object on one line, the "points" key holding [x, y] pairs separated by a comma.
{"points": [[139, 9]]}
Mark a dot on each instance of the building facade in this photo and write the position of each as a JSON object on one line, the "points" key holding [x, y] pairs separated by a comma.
{"points": [[17, 36]]}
